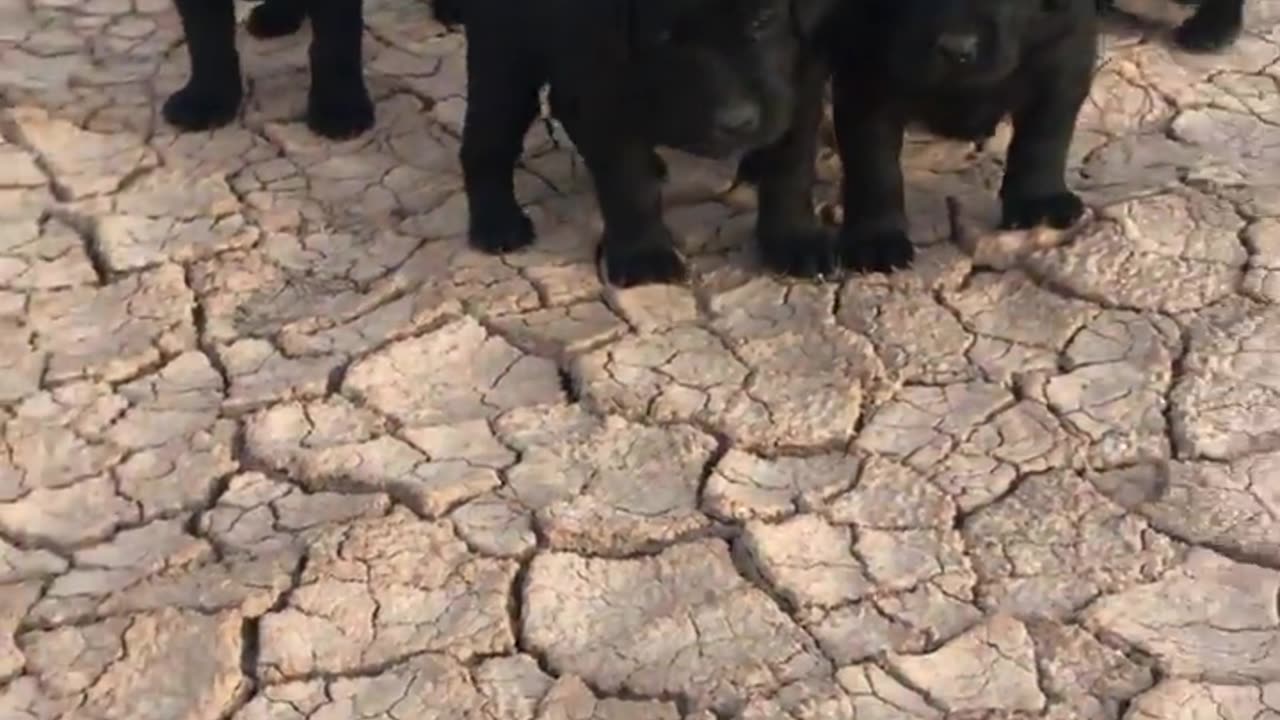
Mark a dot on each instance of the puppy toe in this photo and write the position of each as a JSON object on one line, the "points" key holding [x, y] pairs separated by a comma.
{"points": [[342, 113], [195, 108], [877, 251], [1059, 211], [805, 253], [273, 19], [645, 264], [495, 238]]}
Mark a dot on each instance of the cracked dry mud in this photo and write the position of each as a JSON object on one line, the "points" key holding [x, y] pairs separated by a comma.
{"points": [[275, 445]]}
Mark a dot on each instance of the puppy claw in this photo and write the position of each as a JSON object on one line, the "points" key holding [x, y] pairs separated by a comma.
{"points": [[340, 115], [275, 18], [881, 251], [651, 263], [807, 253], [192, 110], [1060, 211], [503, 237]]}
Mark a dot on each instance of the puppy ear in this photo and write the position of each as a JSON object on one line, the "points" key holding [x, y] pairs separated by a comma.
{"points": [[809, 15]]}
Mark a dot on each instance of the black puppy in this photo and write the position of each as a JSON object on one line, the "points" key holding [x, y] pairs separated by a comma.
{"points": [[957, 67], [710, 77], [338, 105], [1215, 24]]}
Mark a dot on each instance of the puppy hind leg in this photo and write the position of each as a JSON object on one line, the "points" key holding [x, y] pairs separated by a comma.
{"points": [[791, 239], [502, 102], [338, 104], [873, 238], [1215, 25], [211, 97], [276, 18]]}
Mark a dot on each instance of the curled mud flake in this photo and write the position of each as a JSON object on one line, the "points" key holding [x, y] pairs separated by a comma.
{"points": [[1226, 403], [124, 668], [1179, 699], [1232, 507], [1169, 253], [1210, 618], [1056, 544], [457, 373], [424, 686], [748, 487], [114, 331], [858, 692], [331, 445], [992, 667], [791, 390], [682, 623], [80, 163], [605, 486], [47, 255], [158, 565], [382, 589]]}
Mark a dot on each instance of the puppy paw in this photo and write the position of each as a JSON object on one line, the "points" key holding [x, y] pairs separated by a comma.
{"points": [[1059, 211], [510, 232], [876, 251], [276, 18], [805, 252], [644, 263], [1206, 33], [195, 108], [340, 114]]}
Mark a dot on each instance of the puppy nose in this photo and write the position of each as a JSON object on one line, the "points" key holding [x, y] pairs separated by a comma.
{"points": [[740, 119], [959, 47]]}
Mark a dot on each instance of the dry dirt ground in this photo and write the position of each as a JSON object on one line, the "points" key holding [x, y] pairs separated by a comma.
{"points": [[276, 446]]}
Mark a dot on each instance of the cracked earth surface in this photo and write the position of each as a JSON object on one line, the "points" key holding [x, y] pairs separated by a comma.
{"points": [[275, 445]]}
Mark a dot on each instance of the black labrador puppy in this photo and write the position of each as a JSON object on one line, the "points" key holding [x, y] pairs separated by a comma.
{"points": [[1214, 25], [338, 104], [957, 67], [710, 77]]}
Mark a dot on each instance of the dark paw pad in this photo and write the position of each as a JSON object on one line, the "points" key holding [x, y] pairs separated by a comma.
{"points": [[1059, 211], [878, 251], [196, 108], [643, 264], [513, 232], [1204, 32], [807, 252], [340, 114], [276, 18]]}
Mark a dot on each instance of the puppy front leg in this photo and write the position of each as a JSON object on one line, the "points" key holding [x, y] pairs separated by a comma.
{"points": [[338, 105], [211, 97], [791, 239], [874, 235], [1034, 190], [1215, 25], [637, 246], [502, 101]]}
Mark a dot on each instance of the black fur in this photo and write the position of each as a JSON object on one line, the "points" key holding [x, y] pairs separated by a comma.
{"points": [[338, 104], [957, 67], [1215, 25], [704, 76]]}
